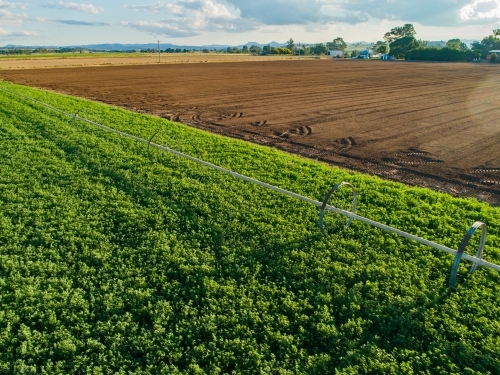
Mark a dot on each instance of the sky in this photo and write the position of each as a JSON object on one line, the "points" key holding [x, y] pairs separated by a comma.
{"points": [[236, 22]]}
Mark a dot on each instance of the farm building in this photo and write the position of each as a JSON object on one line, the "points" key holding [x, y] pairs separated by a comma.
{"points": [[335, 53], [386, 56], [488, 56], [366, 54]]}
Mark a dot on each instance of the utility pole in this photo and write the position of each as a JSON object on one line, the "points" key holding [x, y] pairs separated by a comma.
{"points": [[158, 51]]}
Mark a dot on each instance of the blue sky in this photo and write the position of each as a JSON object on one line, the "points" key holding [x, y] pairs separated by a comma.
{"points": [[199, 22]]}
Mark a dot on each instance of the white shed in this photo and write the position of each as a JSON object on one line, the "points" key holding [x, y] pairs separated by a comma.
{"points": [[386, 56], [335, 53]]}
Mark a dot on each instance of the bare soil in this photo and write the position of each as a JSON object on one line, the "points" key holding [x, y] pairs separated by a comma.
{"points": [[428, 124], [33, 62]]}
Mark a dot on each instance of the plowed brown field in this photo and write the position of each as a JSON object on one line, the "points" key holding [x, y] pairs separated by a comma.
{"points": [[33, 61], [427, 124]]}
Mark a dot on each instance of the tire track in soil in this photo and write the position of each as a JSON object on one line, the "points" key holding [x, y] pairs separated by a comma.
{"points": [[320, 118], [328, 98], [259, 123], [345, 120]]}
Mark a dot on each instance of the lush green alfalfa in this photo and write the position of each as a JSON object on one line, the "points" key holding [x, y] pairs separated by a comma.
{"points": [[116, 261]]}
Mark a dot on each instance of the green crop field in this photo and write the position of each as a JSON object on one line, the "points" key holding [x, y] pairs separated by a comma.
{"points": [[113, 260]]}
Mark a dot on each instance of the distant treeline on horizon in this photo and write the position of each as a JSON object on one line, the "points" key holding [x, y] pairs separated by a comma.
{"points": [[399, 43]]}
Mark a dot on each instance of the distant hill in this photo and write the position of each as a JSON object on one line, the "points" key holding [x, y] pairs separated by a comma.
{"points": [[132, 47], [163, 46], [135, 47]]}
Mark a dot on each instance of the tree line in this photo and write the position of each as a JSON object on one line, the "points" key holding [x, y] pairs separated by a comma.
{"points": [[402, 44]]}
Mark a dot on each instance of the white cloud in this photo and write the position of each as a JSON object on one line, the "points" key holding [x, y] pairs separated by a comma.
{"points": [[481, 10], [187, 27], [207, 8], [158, 7], [19, 34], [170, 29], [281, 12], [83, 8], [267, 12], [9, 5], [424, 12], [196, 17], [7, 17], [70, 22], [190, 18]]}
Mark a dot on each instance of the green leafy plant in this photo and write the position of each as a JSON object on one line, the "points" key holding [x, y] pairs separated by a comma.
{"points": [[116, 260]]}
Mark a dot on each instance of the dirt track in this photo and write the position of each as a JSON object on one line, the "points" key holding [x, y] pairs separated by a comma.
{"points": [[427, 124]]}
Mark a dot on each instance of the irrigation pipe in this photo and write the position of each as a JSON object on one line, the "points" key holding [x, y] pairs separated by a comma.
{"points": [[459, 254]]}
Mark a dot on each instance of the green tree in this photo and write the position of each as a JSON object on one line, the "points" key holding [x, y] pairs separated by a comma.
{"points": [[476, 46], [496, 32], [400, 32], [494, 58], [255, 50], [282, 51], [268, 50], [440, 54], [381, 47], [245, 49], [290, 44], [338, 44], [355, 53], [319, 49], [487, 44], [400, 46], [457, 44]]}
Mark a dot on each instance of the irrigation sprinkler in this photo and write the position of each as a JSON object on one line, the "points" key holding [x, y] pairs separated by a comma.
{"points": [[86, 111], [327, 198], [461, 249], [459, 254]]}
